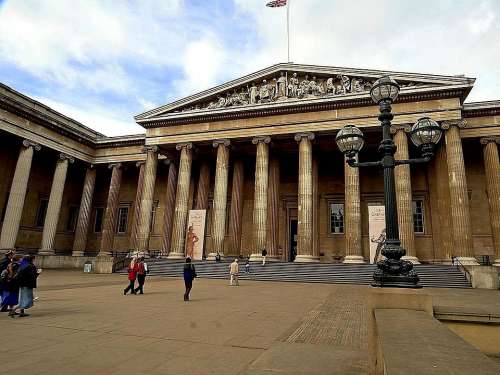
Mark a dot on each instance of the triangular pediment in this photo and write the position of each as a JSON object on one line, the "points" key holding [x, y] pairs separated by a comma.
{"points": [[296, 84]]}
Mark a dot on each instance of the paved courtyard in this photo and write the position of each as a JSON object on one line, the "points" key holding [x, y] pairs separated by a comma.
{"points": [[83, 324]]}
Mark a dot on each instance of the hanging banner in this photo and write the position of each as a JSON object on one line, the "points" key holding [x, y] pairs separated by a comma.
{"points": [[376, 230], [195, 235]]}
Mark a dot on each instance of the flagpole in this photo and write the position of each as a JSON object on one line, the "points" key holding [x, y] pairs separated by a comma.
{"points": [[288, 28]]}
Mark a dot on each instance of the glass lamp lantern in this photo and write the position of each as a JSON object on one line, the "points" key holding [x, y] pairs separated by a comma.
{"points": [[350, 140], [425, 132], [384, 88]]}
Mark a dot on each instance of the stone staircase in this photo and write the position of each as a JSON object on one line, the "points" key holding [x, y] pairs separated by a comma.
{"points": [[436, 276]]}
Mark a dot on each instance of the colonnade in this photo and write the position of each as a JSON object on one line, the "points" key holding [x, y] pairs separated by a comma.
{"points": [[266, 200]]}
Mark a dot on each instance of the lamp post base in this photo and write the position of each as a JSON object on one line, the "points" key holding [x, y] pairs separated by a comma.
{"points": [[395, 273]]}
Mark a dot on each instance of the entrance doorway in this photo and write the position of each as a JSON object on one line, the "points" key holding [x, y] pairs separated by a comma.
{"points": [[293, 239]]}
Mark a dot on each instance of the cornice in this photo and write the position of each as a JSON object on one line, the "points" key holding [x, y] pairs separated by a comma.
{"points": [[478, 109]]}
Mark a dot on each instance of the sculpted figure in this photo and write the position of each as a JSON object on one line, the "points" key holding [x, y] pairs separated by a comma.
{"points": [[190, 241], [339, 89], [229, 100], [357, 85], [293, 85], [264, 92], [235, 98], [221, 102], [254, 93], [303, 87], [346, 83], [313, 87], [330, 86], [212, 105], [281, 88], [243, 96]]}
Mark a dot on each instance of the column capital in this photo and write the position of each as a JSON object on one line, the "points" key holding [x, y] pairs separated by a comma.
{"points": [[27, 143], [261, 139], [115, 165], [462, 123], [221, 142], [298, 137], [150, 149], [492, 139], [403, 127], [63, 156], [186, 145]]}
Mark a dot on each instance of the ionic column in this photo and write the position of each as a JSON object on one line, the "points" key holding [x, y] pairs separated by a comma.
{"points": [[305, 200], [352, 216], [203, 186], [273, 210], [236, 208], [260, 196], [444, 232], [181, 201], [220, 198], [315, 208], [492, 171], [111, 212], [459, 198], [169, 207], [403, 194], [84, 213], [137, 207], [148, 190], [54, 205], [17, 195]]}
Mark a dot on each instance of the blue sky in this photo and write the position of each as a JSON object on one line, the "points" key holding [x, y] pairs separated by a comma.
{"points": [[102, 62]]}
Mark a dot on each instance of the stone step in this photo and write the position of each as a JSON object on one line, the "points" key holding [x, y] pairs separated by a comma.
{"points": [[440, 276]]}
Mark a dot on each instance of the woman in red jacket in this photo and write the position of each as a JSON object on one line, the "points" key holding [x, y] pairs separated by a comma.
{"points": [[132, 275]]}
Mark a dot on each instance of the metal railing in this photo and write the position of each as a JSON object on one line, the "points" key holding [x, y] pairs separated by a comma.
{"points": [[463, 269]]}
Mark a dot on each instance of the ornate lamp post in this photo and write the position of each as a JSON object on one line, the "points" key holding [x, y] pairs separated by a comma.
{"points": [[425, 134]]}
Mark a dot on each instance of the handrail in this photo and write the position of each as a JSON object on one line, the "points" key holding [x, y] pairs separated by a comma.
{"points": [[464, 270]]}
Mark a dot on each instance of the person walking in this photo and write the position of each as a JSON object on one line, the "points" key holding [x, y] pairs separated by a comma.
{"points": [[10, 288], [233, 272], [247, 265], [264, 255], [189, 276], [142, 270], [6, 260], [26, 279], [132, 275]]}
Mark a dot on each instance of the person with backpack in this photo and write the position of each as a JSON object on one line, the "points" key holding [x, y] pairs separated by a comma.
{"points": [[142, 270], [26, 280], [10, 287], [264, 255], [189, 276], [132, 275]]}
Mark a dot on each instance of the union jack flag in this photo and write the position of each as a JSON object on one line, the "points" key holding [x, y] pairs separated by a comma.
{"points": [[276, 3]]}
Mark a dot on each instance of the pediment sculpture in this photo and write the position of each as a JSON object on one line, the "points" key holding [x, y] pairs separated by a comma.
{"points": [[288, 86]]}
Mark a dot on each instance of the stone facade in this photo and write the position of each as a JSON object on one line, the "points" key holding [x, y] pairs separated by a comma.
{"points": [[268, 172]]}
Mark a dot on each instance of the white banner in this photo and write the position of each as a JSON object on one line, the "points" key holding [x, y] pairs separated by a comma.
{"points": [[195, 235], [376, 230]]}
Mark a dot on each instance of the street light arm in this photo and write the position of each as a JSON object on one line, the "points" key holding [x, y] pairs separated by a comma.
{"points": [[425, 159], [353, 163]]}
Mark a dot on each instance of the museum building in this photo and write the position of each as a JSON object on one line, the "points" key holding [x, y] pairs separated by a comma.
{"points": [[258, 157]]}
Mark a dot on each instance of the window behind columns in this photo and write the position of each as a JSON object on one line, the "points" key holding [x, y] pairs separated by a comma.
{"points": [[418, 216], [41, 212], [122, 220], [336, 217], [98, 218], [72, 218]]}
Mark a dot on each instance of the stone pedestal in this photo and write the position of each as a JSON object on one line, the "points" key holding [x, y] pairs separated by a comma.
{"points": [[305, 200], [179, 231], [459, 198], [220, 199], [236, 208], [111, 212], [146, 206], [54, 206], [17, 196], [402, 178], [352, 216], [82, 225], [492, 171], [260, 197], [137, 206], [169, 207]]}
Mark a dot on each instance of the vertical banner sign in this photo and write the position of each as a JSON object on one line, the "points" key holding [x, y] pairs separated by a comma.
{"points": [[376, 230], [196, 220]]}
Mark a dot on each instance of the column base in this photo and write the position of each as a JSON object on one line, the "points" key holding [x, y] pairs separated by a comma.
{"points": [[353, 259], [46, 252], [496, 263], [468, 261], [176, 256], [77, 254], [306, 259], [213, 256], [411, 259]]}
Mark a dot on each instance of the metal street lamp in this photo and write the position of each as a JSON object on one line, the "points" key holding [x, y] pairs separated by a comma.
{"points": [[425, 134]]}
